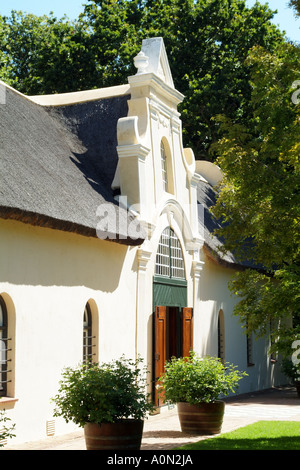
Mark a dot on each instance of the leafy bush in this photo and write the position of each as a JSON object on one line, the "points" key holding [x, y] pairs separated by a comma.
{"points": [[5, 431], [196, 380], [103, 393]]}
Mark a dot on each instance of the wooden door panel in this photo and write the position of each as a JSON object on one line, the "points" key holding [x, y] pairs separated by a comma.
{"points": [[187, 331], [172, 333], [164, 335]]}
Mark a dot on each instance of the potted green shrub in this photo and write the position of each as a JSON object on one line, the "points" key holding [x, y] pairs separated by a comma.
{"points": [[292, 371], [196, 384], [109, 401]]}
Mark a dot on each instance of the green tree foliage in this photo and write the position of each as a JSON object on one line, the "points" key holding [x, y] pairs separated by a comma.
{"points": [[296, 5], [44, 54], [207, 43], [5, 68], [260, 195]]}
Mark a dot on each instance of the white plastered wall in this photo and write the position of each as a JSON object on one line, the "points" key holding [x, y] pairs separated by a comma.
{"points": [[214, 296]]}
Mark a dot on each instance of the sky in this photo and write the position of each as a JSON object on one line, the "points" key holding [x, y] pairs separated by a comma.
{"points": [[285, 18]]}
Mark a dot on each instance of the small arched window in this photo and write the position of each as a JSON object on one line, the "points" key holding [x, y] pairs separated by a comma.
{"points": [[3, 348], [164, 168], [87, 335], [221, 336], [169, 257]]}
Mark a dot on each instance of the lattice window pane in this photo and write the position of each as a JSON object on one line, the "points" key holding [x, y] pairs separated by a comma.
{"points": [[87, 335], [169, 258], [2, 364], [177, 263], [162, 267]]}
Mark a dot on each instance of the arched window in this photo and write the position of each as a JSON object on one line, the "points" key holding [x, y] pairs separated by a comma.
{"points": [[3, 349], [87, 335], [169, 257], [164, 168], [221, 336]]}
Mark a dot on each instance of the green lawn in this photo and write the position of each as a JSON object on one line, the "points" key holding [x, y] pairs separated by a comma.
{"points": [[263, 435]]}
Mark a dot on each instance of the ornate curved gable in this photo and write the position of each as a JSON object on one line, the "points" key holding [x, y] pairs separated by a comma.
{"points": [[154, 170]]}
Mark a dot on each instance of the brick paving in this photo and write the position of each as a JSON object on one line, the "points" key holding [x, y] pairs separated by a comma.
{"points": [[162, 431]]}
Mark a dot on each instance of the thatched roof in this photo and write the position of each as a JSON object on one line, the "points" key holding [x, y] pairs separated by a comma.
{"points": [[208, 224], [58, 163]]}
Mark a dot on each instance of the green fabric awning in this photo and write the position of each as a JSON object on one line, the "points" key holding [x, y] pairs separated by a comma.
{"points": [[169, 292]]}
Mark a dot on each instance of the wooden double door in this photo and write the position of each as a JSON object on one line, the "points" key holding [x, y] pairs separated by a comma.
{"points": [[173, 336]]}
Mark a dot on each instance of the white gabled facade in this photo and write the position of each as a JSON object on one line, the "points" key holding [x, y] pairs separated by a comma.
{"points": [[153, 120], [157, 177]]}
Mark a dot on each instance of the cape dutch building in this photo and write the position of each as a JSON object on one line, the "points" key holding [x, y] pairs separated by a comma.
{"points": [[107, 244]]}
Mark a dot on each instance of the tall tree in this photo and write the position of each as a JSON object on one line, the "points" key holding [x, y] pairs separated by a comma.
{"points": [[260, 197], [207, 43], [5, 68], [296, 5], [45, 55]]}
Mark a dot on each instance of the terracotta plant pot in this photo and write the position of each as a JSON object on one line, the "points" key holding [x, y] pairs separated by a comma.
{"points": [[202, 419], [123, 435]]}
